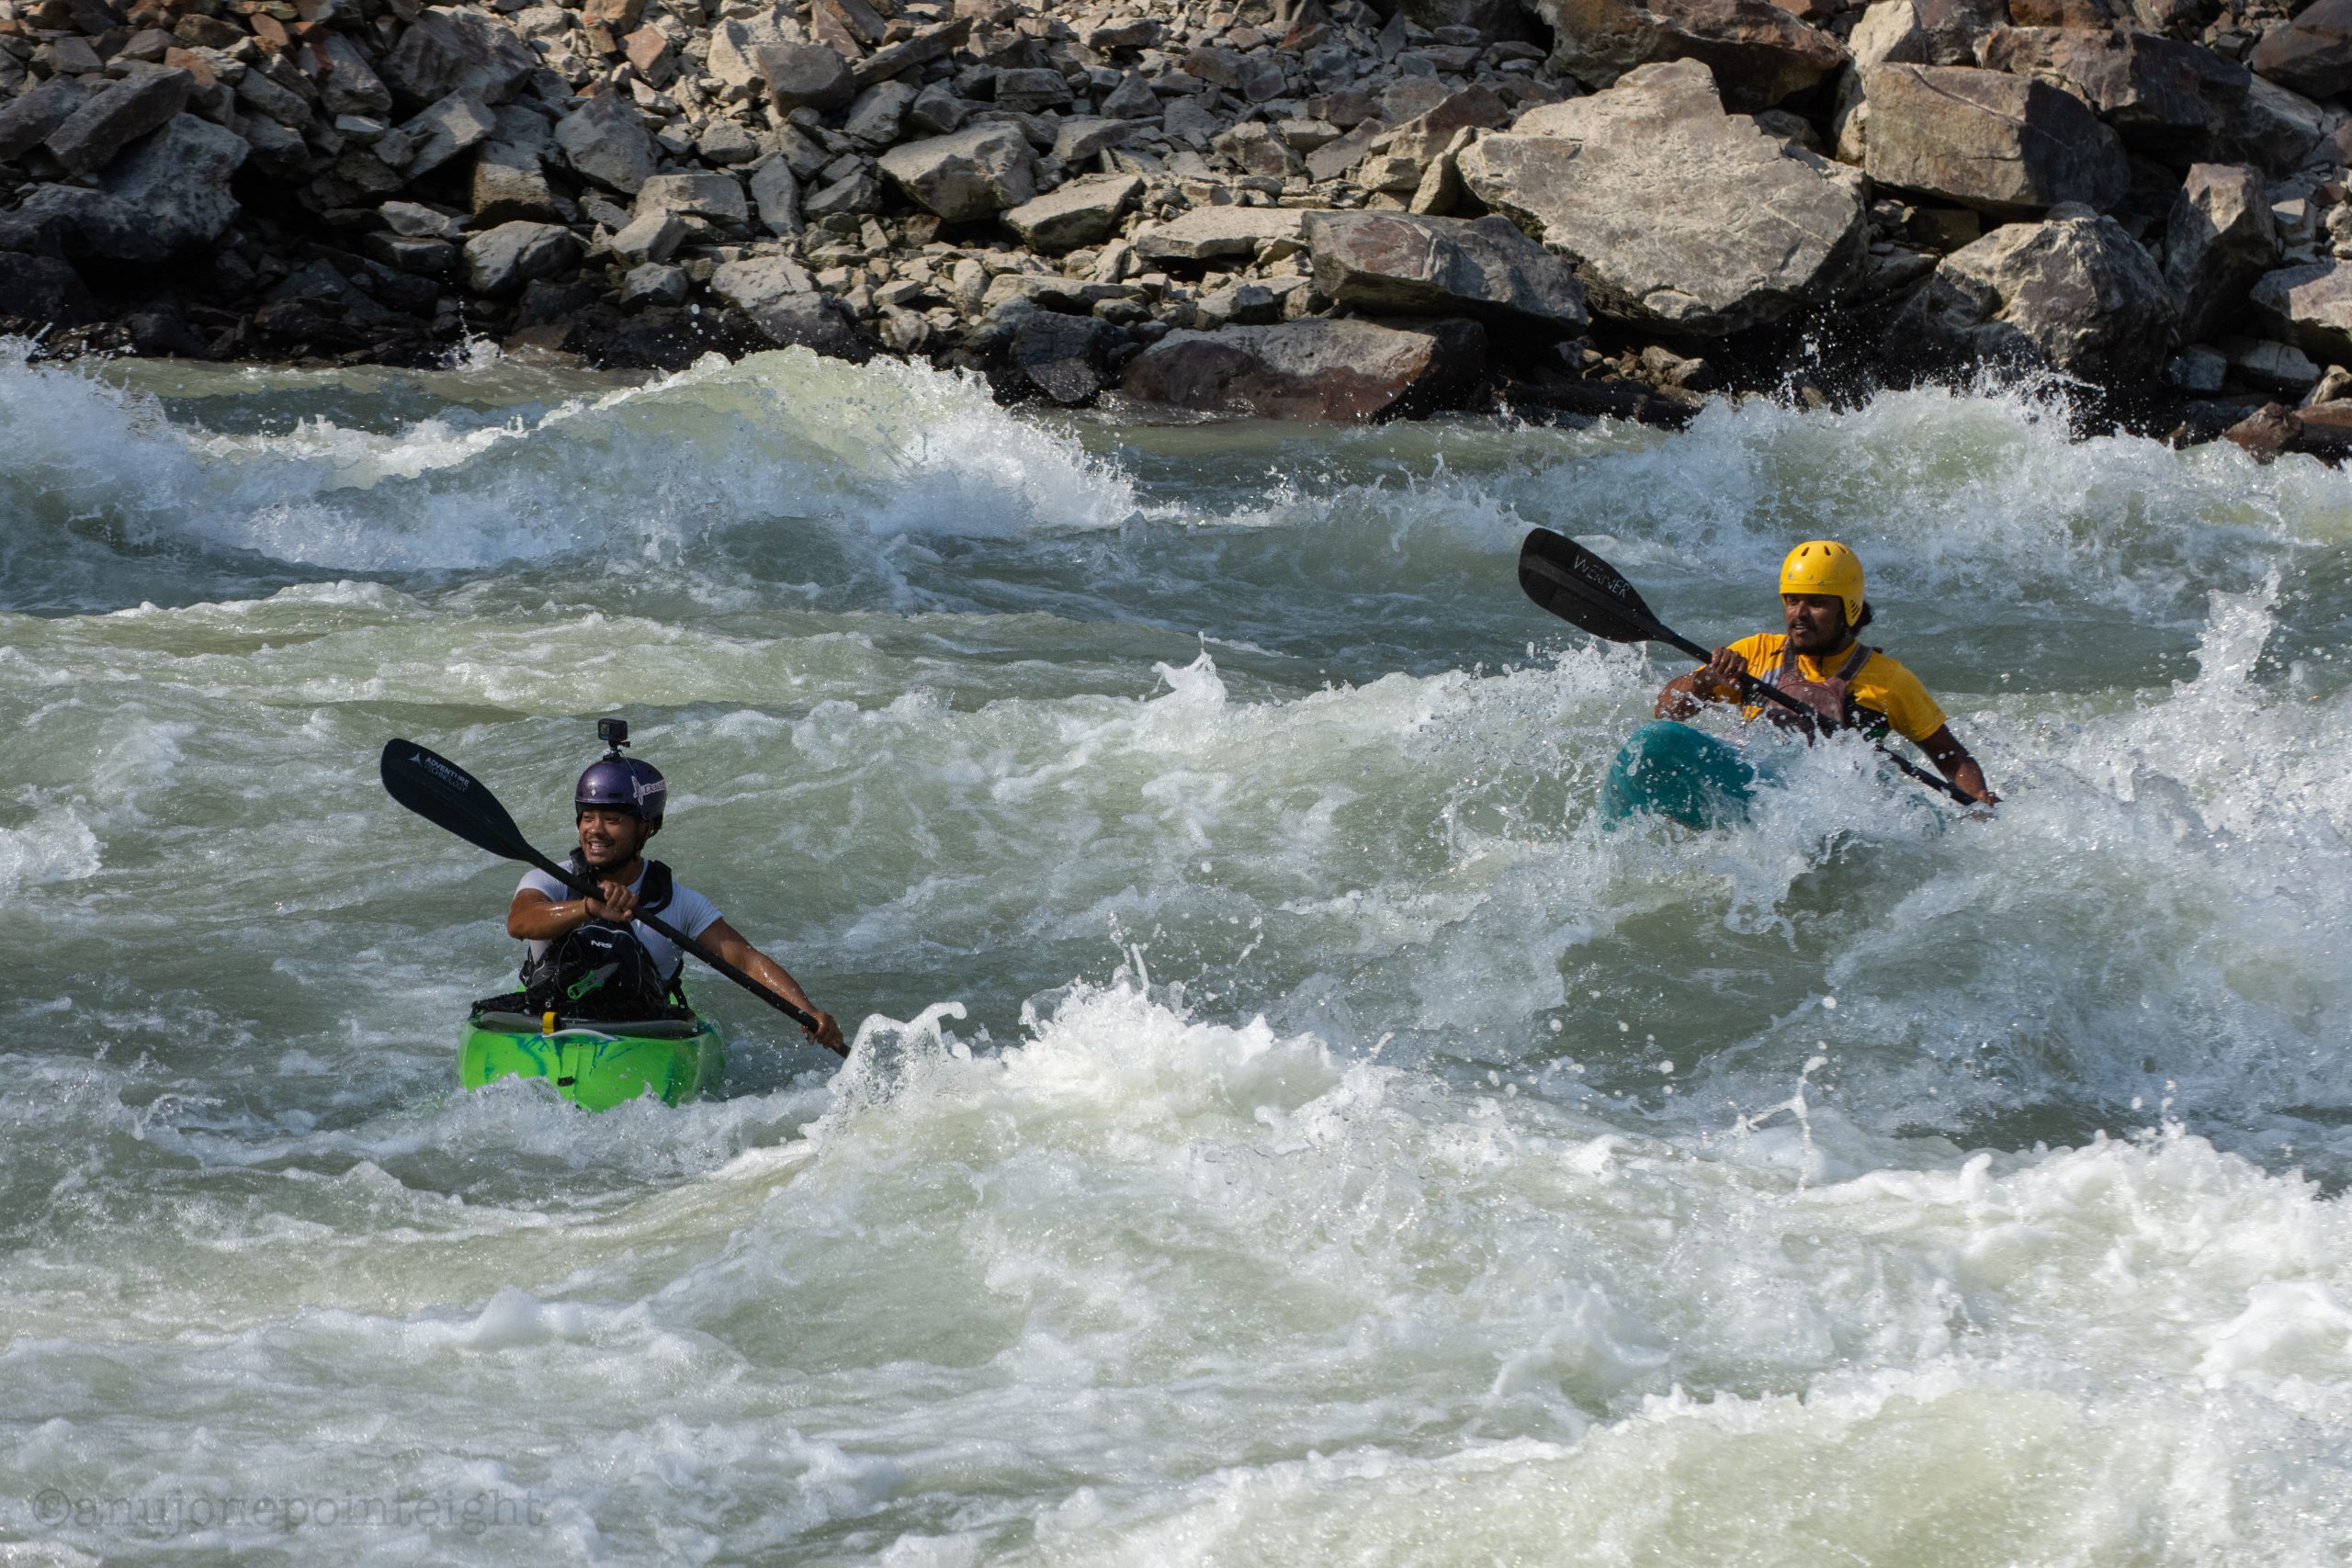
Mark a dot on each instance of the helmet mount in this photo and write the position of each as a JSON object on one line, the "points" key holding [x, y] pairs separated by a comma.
{"points": [[616, 783]]}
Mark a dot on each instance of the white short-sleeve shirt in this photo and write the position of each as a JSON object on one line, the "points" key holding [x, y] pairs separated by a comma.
{"points": [[687, 910]]}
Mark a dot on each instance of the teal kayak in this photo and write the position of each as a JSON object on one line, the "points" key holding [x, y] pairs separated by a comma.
{"points": [[595, 1065], [1673, 771]]}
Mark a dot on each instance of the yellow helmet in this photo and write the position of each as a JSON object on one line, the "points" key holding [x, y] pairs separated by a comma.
{"points": [[1825, 566]]}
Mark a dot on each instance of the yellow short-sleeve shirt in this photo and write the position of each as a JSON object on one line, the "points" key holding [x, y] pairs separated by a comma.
{"points": [[1882, 685]]}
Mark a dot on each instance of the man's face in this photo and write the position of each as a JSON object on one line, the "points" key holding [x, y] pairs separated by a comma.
{"points": [[610, 838], [1816, 621]]}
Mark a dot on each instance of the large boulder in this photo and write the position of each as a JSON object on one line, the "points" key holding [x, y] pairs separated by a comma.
{"points": [[805, 75], [2313, 53], [1313, 369], [2074, 293], [1759, 53], [1673, 214], [1077, 213], [1212, 234], [2309, 306], [1060, 357], [501, 260], [816, 323], [456, 124], [1399, 263], [2217, 239], [510, 182], [450, 50], [2275, 129], [969, 174], [605, 142], [165, 194], [2165, 99], [110, 118], [43, 291], [2005, 145]]}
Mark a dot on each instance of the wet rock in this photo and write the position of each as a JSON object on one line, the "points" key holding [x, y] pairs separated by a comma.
{"points": [[1672, 213], [2264, 361], [1061, 359], [449, 50], [813, 321], [2003, 144], [1393, 263], [1077, 213], [2309, 306], [2313, 53], [758, 283], [2075, 293], [652, 285], [2265, 433], [1209, 233], [28, 120], [2217, 240], [108, 119], [969, 174], [648, 237], [1313, 370], [500, 261], [167, 193], [509, 183], [44, 291], [2165, 98], [806, 75], [605, 142], [1759, 53]]}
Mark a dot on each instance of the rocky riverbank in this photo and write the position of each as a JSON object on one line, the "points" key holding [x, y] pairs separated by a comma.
{"points": [[1301, 209]]}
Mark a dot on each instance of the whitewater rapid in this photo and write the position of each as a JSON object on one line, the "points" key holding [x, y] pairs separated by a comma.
{"points": [[1286, 1126]]}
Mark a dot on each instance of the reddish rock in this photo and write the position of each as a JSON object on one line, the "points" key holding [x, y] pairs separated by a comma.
{"points": [[1345, 371]]}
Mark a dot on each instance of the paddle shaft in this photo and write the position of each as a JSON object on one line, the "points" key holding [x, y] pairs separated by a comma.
{"points": [[588, 889]]}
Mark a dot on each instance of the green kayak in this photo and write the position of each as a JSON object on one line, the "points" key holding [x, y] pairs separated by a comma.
{"points": [[596, 1066], [1673, 771]]}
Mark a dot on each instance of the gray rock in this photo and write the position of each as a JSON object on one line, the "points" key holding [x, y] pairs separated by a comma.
{"points": [[755, 283], [273, 101], [936, 110], [1674, 214], [2217, 240], [1077, 213], [858, 191], [1256, 148], [2281, 367], [2313, 53], [449, 50], [1132, 99], [814, 323], [875, 116], [500, 261], [605, 141], [1759, 53], [652, 285], [652, 236], [113, 117], [415, 222], [452, 125], [726, 144], [713, 199], [1313, 370], [45, 290], [736, 42], [25, 122], [2075, 293], [776, 192], [2165, 98], [1207, 233], [2275, 129], [1078, 139], [808, 74], [1395, 262], [509, 183], [349, 83], [1025, 91], [167, 193], [2309, 306], [967, 175], [2002, 144], [1063, 358], [414, 254]]}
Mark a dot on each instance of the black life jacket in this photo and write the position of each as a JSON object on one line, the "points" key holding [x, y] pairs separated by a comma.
{"points": [[600, 969]]}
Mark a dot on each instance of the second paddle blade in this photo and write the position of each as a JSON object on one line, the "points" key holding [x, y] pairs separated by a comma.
{"points": [[444, 793], [1583, 589]]}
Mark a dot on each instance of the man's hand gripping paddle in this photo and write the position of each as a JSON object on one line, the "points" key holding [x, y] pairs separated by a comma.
{"points": [[447, 796], [1585, 591]]}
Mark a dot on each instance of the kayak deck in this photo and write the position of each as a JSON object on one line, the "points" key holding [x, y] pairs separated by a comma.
{"points": [[599, 1064], [1673, 771]]}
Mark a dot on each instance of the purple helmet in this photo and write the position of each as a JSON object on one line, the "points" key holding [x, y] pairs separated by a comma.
{"points": [[623, 784]]}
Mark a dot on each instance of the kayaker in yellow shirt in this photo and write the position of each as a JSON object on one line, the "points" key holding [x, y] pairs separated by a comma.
{"points": [[1819, 661]]}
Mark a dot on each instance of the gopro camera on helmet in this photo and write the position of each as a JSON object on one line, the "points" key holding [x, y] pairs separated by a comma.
{"points": [[614, 733], [621, 782]]}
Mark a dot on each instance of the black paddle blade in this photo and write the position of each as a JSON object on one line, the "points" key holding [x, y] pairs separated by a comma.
{"points": [[447, 796], [1585, 591]]}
